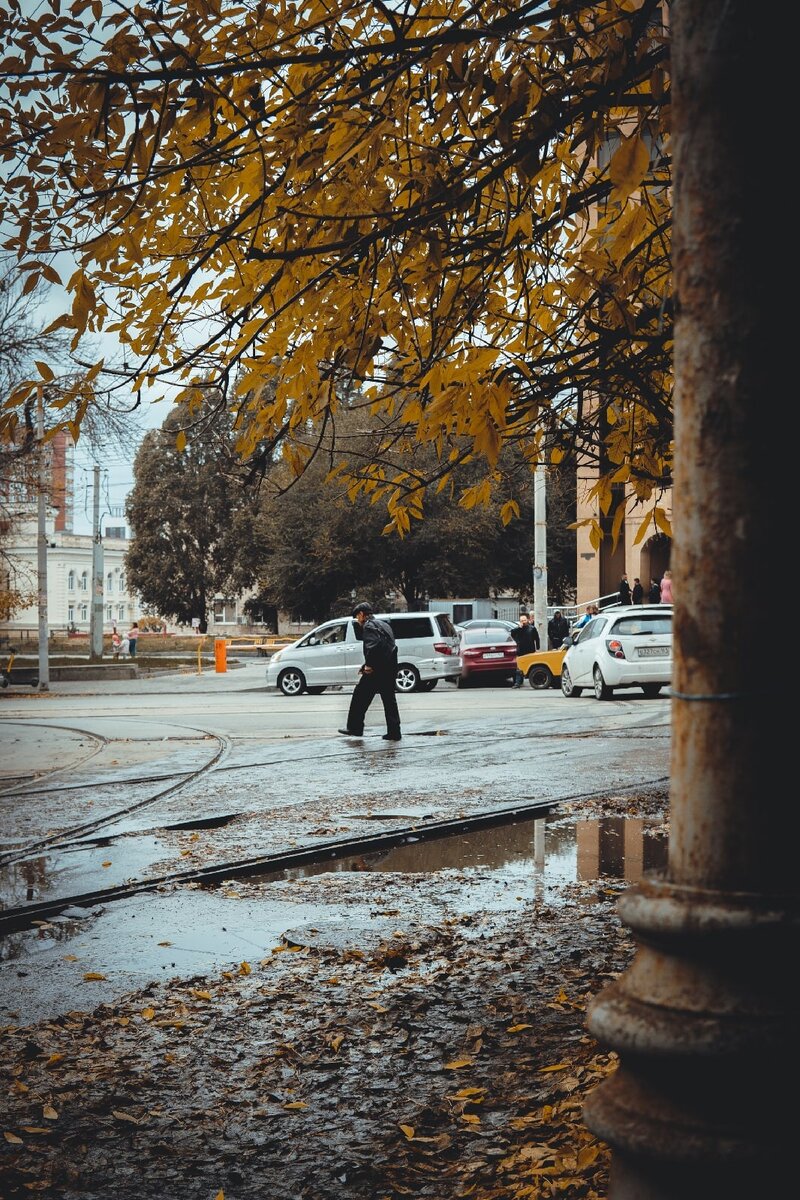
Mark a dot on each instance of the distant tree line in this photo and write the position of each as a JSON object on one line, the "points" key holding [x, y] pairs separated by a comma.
{"points": [[202, 528]]}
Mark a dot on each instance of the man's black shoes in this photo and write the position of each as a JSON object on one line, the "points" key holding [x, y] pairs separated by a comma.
{"points": [[349, 733], [392, 737]]}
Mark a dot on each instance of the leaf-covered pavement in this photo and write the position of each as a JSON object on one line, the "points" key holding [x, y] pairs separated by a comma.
{"points": [[440, 1059]]}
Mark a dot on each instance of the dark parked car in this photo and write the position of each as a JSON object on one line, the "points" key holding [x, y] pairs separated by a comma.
{"points": [[487, 652]]}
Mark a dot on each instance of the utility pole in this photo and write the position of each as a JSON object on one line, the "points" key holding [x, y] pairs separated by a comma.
{"points": [[540, 553], [42, 548], [96, 615]]}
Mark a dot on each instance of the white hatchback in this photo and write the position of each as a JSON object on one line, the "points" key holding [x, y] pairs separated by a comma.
{"points": [[622, 647]]}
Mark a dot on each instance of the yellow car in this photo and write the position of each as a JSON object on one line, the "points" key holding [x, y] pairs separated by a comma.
{"points": [[542, 669]]}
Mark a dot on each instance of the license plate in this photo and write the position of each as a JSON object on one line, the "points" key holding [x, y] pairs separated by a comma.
{"points": [[498, 655], [653, 652]]}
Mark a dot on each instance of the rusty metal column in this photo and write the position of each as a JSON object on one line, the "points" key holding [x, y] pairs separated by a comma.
{"points": [[705, 1021]]}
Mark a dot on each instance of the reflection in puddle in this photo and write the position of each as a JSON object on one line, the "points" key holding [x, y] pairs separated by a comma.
{"points": [[553, 851]]}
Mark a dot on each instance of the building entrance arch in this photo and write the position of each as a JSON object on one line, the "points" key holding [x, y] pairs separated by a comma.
{"points": [[654, 559]]}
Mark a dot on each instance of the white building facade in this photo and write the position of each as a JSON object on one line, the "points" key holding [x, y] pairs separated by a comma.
{"points": [[69, 579]]}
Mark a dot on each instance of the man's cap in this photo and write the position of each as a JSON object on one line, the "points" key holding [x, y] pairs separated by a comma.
{"points": [[362, 607]]}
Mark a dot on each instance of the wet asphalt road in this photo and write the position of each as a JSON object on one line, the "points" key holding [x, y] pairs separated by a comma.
{"points": [[103, 783]]}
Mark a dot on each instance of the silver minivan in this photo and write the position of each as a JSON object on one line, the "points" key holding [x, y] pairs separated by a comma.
{"points": [[331, 654]]}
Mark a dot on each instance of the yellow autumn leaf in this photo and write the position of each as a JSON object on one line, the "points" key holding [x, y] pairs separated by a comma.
{"points": [[148, 1013], [49, 1113], [296, 1104], [53, 1059], [70, 957], [106, 864], [408, 1130], [180, 441], [165, 943], [13, 1139], [90, 975], [244, 968], [556, 1067], [124, 1116], [201, 995], [517, 1028], [457, 1063], [470, 1118], [220, 1195], [378, 1007], [629, 164], [35, 1129], [45, 371]]}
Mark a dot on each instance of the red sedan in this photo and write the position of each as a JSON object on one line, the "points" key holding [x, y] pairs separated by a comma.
{"points": [[487, 653]]}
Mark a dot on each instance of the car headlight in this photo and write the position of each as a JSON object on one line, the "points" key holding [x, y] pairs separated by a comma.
{"points": [[276, 656]]}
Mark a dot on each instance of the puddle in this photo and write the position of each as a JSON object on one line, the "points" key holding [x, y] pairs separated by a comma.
{"points": [[549, 850]]}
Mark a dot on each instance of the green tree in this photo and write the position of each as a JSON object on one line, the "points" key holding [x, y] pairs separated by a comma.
{"points": [[191, 516], [321, 546], [465, 209]]}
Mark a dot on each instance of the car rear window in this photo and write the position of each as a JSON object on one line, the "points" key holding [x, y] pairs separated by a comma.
{"points": [[493, 633], [446, 626], [410, 627], [658, 623]]}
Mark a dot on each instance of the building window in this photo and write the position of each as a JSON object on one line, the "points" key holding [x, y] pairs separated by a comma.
{"points": [[84, 612], [120, 612], [224, 612], [121, 581], [109, 582], [71, 581], [109, 613], [71, 613], [83, 582]]}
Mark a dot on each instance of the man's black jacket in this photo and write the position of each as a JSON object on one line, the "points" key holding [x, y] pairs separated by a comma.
{"points": [[380, 651], [527, 638]]}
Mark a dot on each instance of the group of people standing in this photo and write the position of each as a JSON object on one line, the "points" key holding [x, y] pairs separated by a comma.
{"points": [[126, 647], [658, 592]]}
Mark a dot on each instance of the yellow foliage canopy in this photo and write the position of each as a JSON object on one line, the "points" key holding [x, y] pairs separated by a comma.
{"points": [[462, 211]]}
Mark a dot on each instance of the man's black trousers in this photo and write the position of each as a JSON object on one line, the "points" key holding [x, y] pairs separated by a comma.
{"points": [[378, 683]]}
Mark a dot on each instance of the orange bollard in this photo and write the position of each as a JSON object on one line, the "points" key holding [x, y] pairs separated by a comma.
{"points": [[220, 655]]}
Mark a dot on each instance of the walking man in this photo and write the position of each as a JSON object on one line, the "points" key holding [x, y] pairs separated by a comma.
{"points": [[624, 590], [376, 676]]}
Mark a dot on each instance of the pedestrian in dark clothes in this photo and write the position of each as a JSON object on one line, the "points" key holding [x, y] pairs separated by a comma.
{"points": [[654, 595], [376, 677], [557, 630], [637, 594], [624, 590], [526, 636]]}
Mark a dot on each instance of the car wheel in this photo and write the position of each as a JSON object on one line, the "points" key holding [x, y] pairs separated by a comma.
{"points": [[651, 690], [540, 677], [315, 691], [601, 689], [428, 685], [407, 678], [292, 682], [567, 686]]}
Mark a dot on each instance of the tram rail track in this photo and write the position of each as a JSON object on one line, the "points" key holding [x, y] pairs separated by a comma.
{"points": [[23, 916], [64, 836]]}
